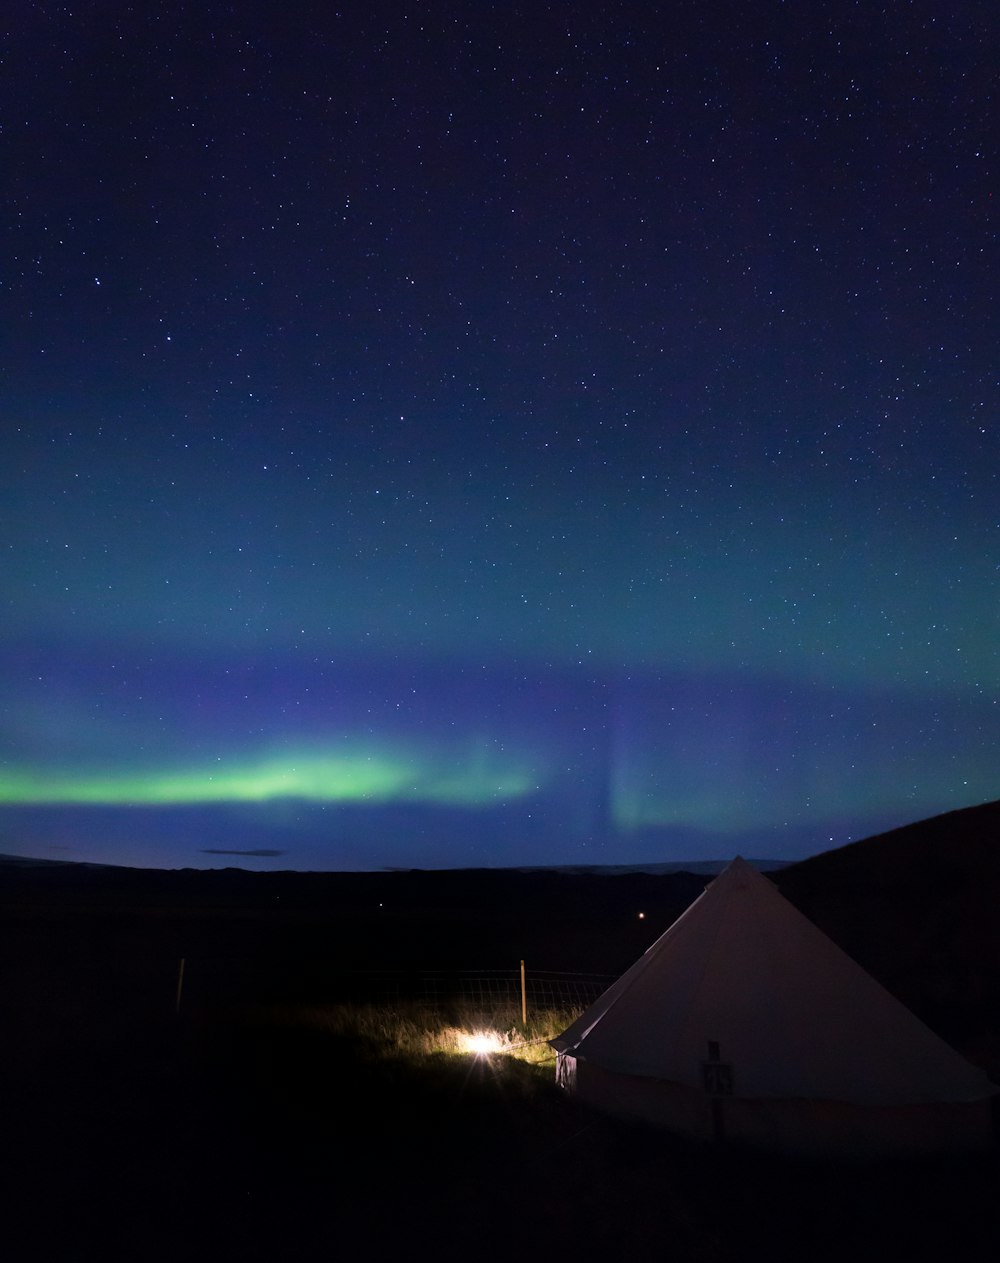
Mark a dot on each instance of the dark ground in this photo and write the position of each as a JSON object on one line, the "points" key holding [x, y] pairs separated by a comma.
{"points": [[131, 1134]]}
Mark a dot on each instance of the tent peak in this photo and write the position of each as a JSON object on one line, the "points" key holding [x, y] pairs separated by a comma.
{"points": [[739, 872]]}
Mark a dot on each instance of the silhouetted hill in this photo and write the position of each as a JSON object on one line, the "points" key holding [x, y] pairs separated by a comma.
{"points": [[918, 907], [966, 841], [705, 868], [28, 861]]}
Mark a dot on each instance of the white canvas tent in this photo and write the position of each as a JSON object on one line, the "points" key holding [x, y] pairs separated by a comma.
{"points": [[745, 1021]]}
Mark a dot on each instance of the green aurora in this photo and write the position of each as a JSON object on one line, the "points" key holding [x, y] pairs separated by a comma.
{"points": [[313, 776]]}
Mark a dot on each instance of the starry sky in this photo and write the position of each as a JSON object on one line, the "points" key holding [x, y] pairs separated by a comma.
{"points": [[475, 433]]}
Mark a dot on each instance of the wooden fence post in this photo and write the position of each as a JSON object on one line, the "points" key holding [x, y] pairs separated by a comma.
{"points": [[180, 988]]}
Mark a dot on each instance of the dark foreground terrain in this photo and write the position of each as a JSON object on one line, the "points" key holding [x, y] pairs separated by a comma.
{"points": [[237, 1131], [269, 1143]]}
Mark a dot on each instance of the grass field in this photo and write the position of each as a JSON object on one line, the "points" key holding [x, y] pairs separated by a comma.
{"points": [[311, 1131]]}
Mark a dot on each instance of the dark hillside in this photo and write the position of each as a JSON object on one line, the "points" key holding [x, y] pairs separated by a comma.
{"points": [[113, 937], [919, 907]]}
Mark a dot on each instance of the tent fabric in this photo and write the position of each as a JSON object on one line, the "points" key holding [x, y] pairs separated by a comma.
{"points": [[743, 995], [825, 1129]]}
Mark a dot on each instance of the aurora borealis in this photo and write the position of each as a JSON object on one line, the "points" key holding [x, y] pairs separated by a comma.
{"points": [[490, 436]]}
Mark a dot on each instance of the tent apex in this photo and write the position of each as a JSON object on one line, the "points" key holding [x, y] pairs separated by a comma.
{"points": [[738, 870]]}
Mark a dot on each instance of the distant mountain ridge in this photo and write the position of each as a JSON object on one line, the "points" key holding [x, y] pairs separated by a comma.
{"points": [[968, 837], [708, 868]]}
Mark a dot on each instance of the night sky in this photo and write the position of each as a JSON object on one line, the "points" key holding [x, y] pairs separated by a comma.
{"points": [[488, 434]]}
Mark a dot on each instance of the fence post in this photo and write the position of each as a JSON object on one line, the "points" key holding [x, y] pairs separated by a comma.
{"points": [[180, 988], [524, 999]]}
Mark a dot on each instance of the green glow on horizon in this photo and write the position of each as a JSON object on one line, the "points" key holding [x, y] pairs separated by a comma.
{"points": [[745, 805], [316, 777]]}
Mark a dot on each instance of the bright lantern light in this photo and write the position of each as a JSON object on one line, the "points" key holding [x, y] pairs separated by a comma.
{"points": [[481, 1042]]}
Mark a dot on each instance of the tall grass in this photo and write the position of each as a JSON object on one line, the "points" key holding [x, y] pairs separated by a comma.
{"points": [[416, 1033]]}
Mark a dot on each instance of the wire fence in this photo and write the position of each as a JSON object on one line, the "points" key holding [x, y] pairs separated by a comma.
{"points": [[488, 990], [497, 988], [483, 988]]}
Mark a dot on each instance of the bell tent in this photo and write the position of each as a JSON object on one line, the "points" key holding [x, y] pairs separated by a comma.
{"points": [[745, 1022]]}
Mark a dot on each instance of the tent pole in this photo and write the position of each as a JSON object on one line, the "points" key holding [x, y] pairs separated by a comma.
{"points": [[524, 1000]]}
